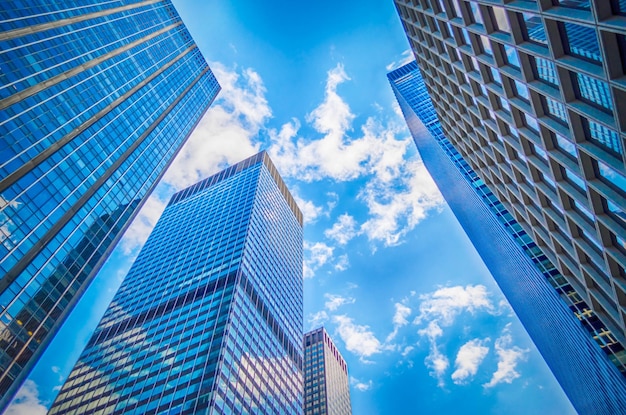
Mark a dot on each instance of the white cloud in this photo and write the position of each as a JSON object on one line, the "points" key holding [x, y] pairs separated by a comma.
{"points": [[407, 350], [316, 255], [445, 304], [343, 263], [140, 229], [403, 59], [468, 358], [361, 386], [26, 401], [343, 230], [508, 358], [333, 301], [399, 320], [359, 340], [438, 364], [227, 133], [309, 210], [317, 319]]}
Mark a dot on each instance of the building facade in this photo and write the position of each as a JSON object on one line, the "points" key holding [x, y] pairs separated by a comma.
{"points": [[209, 317], [582, 353], [326, 384], [95, 101]]}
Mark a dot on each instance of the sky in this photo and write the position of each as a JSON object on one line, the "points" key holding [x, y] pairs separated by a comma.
{"points": [[388, 270]]}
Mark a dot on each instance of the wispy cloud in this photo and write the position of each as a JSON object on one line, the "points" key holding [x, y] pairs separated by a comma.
{"points": [[508, 358], [468, 359], [333, 301], [361, 386], [310, 211], [316, 255], [399, 320], [317, 319], [403, 59], [27, 402], [359, 340], [343, 263], [343, 230]]}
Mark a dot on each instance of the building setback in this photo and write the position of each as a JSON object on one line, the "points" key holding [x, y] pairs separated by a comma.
{"points": [[95, 101], [528, 97], [209, 317], [326, 384]]}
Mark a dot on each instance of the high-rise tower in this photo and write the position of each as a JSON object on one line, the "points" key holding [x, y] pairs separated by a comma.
{"points": [[209, 317], [326, 384], [565, 330], [95, 101]]}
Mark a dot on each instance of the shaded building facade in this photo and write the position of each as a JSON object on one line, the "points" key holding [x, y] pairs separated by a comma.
{"points": [[326, 383], [209, 317], [582, 353], [95, 101]]}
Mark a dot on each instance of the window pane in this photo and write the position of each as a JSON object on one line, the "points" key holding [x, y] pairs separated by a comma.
{"points": [[495, 76], [566, 145], [534, 28], [500, 20], [522, 90], [594, 91], [486, 45], [575, 4], [582, 41], [546, 71], [612, 176], [604, 136], [511, 56], [556, 109], [476, 17]]}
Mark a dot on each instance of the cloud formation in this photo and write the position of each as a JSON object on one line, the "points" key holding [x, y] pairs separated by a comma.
{"points": [[333, 301], [343, 230], [399, 320], [508, 358], [359, 340], [468, 359], [26, 402], [361, 386], [316, 255]]}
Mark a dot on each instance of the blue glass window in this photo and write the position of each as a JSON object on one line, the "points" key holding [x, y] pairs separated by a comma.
{"points": [[476, 16], [457, 8], [567, 146], [531, 122], [582, 41], [612, 177], [575, 4], [619, 7], [594, 92], [511, 56], [486, 45], [604, 136], [500, 19], [495, 76], [556, 110], [534, 28], [521, 90], [546, 71]]}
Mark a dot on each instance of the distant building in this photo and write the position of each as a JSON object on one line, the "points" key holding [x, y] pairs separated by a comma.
{"points": [[96, 99], [520, 182], [326, 384], [209, 317]]}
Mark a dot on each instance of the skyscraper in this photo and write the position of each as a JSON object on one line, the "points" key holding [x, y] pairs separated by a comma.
{"points": [[326, 385], [567, 333], [95, 101], [209, 317]]}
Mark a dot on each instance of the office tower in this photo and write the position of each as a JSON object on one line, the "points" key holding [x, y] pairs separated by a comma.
{"points": [[582, 353], [95, 101], [209, 317], [326, 385]]}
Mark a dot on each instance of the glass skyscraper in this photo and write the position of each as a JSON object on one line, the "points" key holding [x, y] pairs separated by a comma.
{"points": [[95, 101], [529, 95], [209, 317], [582, 353], [326, 384]]}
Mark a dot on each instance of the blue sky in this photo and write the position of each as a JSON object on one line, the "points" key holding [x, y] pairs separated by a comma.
{"points": [[388, 270]]}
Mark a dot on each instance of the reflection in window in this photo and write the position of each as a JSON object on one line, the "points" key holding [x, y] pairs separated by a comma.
{"points": [[575, 4], [575, 180], [531, 122], [566, 145], [612, 176], [466, 37], [476, 17], [582, 41], [604, 136], [594, 91], [500, 19], [457, 8], [521, 90], [534, 28], [495, 76], [486, 45], [546, 71], [511, 56], [619, 7], [612, 208], [555, 109]]}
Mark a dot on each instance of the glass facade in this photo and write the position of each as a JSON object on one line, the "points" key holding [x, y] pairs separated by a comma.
{"points": [[326, 384], [95, 101], [560, 322], [209, 317]]}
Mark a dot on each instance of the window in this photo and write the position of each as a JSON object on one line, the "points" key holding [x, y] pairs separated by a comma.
{"points": [[531, 122], [486, 45], [476, 16], [511, 56], [545, 70], [574, 4], [555, 110], [581, 41], [594, 92], [534, 28], [603, 136], [521, 90], [612, 177], [495, 76], [500, 20], [563, 144]]}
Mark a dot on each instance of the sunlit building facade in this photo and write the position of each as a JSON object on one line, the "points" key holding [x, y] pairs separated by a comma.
{"points": [[209, 317], [326, 383], [95, 101], [528, 94]]}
